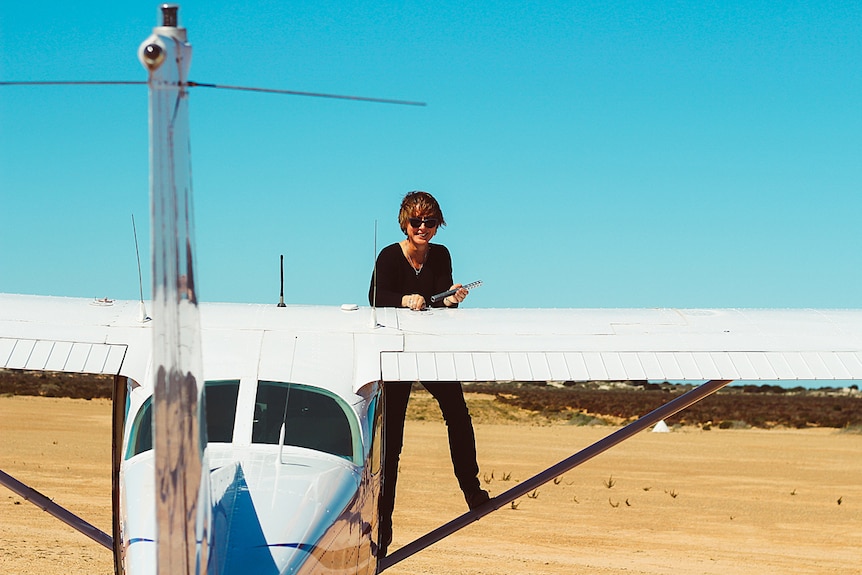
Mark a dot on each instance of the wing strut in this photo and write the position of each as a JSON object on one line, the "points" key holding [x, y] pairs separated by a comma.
{"points": [[58, 511], [529, 485]]}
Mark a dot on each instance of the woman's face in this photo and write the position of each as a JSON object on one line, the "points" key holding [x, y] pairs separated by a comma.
{"points": [[420, 229]]}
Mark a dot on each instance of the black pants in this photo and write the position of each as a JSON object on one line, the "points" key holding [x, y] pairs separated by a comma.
{"points": [[462, 441]]}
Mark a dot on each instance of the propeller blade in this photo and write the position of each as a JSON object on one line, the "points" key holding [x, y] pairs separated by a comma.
{"points": [[312, 94], [216, 86], [181, 471]]}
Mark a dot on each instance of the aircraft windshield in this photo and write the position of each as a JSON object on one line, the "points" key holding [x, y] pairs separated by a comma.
{"points": [[220, 400], [220, 397], [313, 418]]}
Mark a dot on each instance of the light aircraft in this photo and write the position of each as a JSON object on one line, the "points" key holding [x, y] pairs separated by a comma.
{"points": [[247, 438]]}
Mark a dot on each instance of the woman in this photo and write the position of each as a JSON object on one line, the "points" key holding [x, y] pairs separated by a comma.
{"points": [[407, 274], [411, 271]]}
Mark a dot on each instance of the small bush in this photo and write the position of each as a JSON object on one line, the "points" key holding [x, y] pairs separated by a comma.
{"points": [[733, 424]]}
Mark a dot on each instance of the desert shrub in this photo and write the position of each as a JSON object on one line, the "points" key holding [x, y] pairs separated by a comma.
{"points": [[581, 418], [733, 424], [763, 409]]}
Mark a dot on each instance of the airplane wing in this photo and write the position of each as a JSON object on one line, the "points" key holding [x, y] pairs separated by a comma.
{"points": [[77, 335], [336, 348], [93, 336], [626, 344], [718, 345], [74, 335]]}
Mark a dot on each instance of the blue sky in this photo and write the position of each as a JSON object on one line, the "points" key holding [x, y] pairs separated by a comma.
{"points": [[585, 154]]}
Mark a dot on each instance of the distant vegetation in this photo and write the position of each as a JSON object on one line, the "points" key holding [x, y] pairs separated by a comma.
{"points": [[575, 403], [763, 406], [55, 384]]}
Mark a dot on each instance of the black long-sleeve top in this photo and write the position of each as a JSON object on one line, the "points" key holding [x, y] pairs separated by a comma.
{"points": [[397, 278]]}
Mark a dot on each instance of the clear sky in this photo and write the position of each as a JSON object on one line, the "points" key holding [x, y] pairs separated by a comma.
{"points": [[585, 154]]}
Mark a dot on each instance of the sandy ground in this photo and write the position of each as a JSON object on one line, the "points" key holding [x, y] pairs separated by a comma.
{"points": [[720, 502]]}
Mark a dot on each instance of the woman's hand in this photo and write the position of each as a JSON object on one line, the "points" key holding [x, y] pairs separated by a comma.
{"points": [[456, 297], [413, 301]]}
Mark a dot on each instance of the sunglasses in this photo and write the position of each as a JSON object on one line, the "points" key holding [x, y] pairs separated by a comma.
{"points": [[429, 223]]}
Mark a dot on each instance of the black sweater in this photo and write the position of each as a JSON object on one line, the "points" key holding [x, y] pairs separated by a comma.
{"points": [[397, 278]]}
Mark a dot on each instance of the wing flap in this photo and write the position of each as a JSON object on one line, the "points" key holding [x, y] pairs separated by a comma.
{"points": [[834, 365], [74, 357], [60, 351], [20, 354], [577, 367], [446, 366], [852, 361], [613, 366], [484, 366], [7, 345], [501, 365], [73, 335], [557, 366], [780, 365]]}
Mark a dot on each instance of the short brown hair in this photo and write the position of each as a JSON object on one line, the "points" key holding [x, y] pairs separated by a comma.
{"points": [[421, 202]]}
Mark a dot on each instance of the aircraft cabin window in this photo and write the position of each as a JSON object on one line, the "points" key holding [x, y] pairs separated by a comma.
{"points": [[141, 438], [313, 418], [375, 432], [221, 398], [221, 409]]}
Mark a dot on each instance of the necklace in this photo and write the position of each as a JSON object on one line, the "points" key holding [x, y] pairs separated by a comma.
{"points": [[413, 264]]}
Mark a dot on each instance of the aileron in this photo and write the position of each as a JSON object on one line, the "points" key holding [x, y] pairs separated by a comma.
{"points": [[445, 364], [463, 367], [484, 367], [59, 354], [7, 345], [65, 356], [613, 366], [539, 365], [852, 361], [502, 367], [20, 354], [557, 366], [706, 366]]}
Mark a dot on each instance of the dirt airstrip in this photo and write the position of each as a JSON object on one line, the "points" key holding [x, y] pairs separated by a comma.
{"points": [[723, 501]]}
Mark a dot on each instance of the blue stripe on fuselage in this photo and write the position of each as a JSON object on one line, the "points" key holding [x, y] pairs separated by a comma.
{"points": [[239, 545]]}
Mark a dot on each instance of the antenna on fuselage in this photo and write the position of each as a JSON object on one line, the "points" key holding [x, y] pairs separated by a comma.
{"points": [[282, 432], [281, 291], [142, 317], [374, 324]]}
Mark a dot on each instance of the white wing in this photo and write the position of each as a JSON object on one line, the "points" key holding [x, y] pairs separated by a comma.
{"points": [[627, 344], [338, 349], [73, 335]]}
